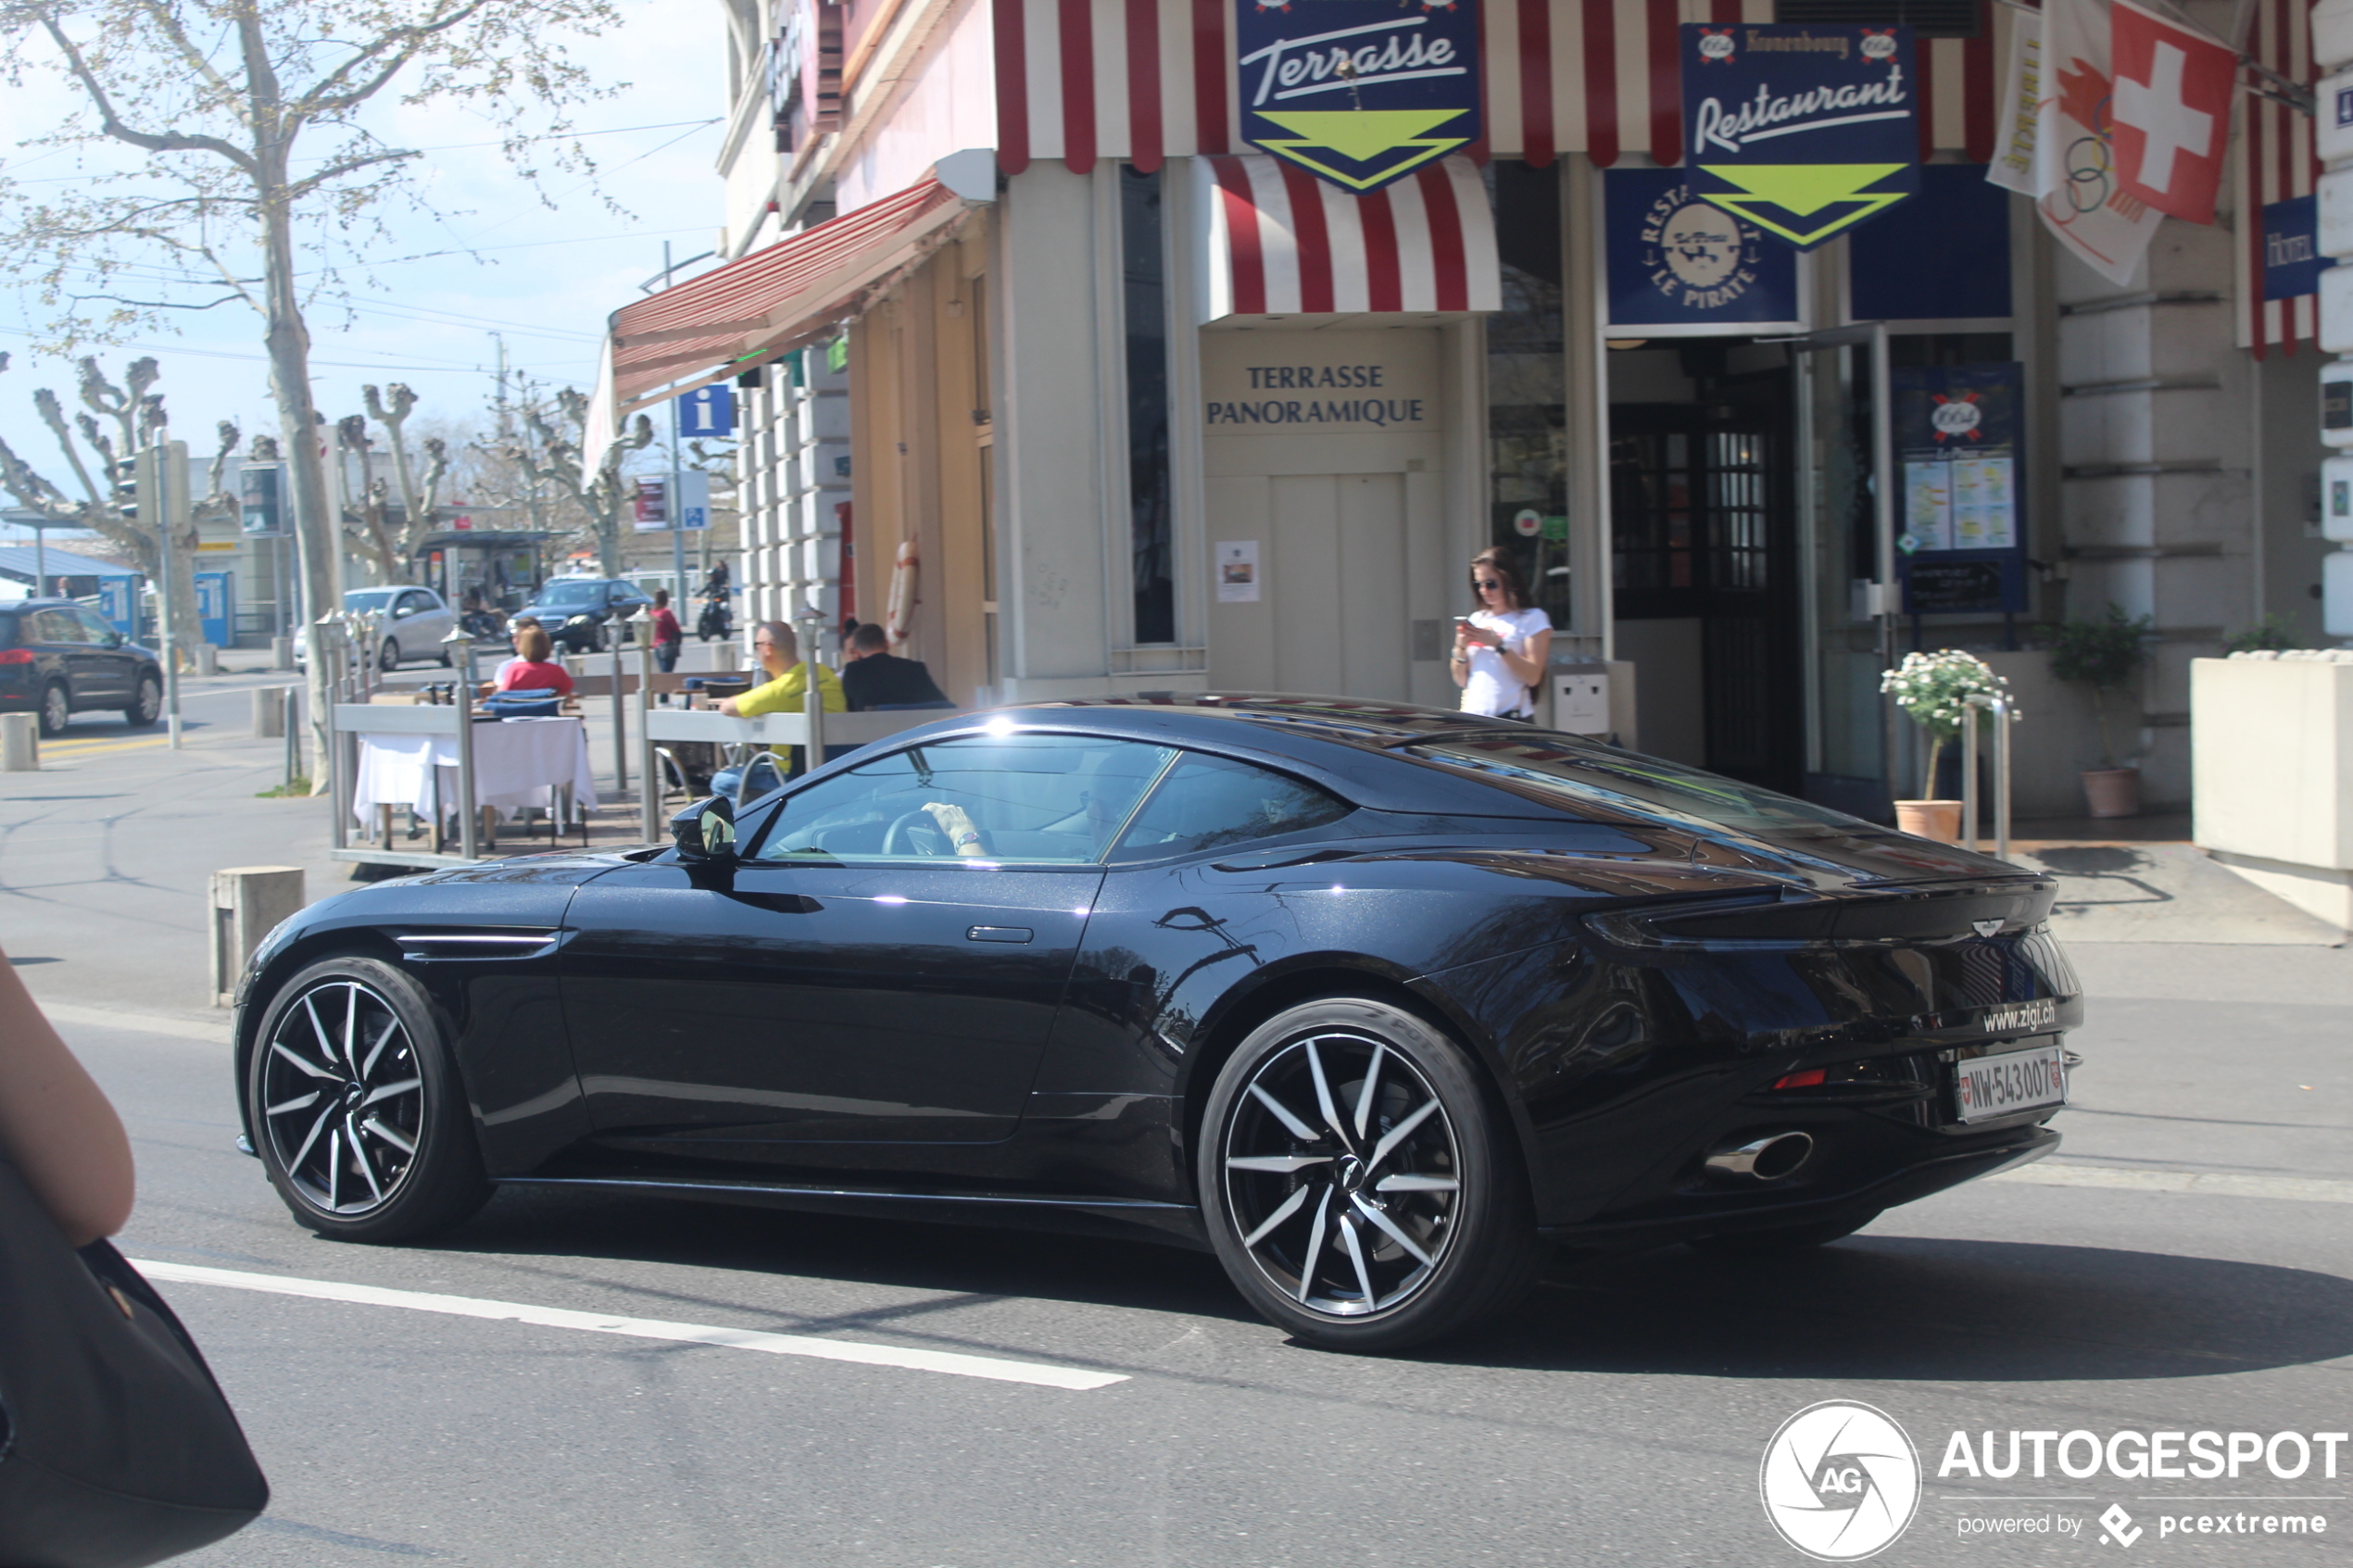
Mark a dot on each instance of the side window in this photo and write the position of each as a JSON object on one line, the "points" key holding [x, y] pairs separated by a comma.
{"points": [[1033, 798], [57, 626], [93, 626], [1208, 802]]}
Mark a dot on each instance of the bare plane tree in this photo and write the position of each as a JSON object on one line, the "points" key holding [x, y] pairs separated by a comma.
{"points": [[244, 171], [549, 453], [135, 415]]}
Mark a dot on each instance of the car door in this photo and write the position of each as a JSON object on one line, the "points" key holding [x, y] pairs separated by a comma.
{"points": [[853, 978], [62, 639], [424, 620], [117, 667]]}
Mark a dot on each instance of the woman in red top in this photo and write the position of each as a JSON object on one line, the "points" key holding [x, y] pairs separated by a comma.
{"points": [[668, 635], [534, 669]]}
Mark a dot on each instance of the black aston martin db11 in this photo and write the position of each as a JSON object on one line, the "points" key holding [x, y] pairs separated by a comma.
{"points": [[1374, 1001]]}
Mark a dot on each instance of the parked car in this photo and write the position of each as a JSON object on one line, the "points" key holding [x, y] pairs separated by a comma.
{"points": [[415, 621], [580, 612], [58, 659], [1374, 1001]]}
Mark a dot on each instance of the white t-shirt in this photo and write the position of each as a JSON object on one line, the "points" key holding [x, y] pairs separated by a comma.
{"points": [[1492, 689]]}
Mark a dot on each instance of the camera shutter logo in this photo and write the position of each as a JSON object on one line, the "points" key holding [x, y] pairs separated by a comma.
{"points": [[1840, 1481]]}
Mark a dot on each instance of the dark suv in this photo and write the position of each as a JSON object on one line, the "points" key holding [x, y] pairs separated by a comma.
{"points": [[58, 659], [578, 611]]}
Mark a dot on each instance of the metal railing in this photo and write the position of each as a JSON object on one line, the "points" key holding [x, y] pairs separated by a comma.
{"points": [[2000, 708], [815, 731], [347, 721]]}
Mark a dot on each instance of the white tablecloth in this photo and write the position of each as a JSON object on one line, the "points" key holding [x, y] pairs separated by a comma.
{"points": [[518, 763]]}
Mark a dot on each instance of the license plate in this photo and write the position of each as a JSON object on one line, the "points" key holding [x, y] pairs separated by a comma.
{"points": [[1986, 1086]]}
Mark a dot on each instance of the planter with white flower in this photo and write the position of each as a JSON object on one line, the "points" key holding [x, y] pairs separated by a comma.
{"points": [[1931, 689]]}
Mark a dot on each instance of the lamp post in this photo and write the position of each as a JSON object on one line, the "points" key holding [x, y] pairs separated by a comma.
{"points": [[649, 765]]}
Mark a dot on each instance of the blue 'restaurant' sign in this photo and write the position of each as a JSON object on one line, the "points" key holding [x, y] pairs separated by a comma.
{"points": [[1803, 131], [1362, 92]]}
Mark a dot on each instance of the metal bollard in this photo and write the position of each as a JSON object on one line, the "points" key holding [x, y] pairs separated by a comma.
{"points": [[208, 660], [282, 653], [269, 711], [2001, 712], [20, 743], [247, 901]]}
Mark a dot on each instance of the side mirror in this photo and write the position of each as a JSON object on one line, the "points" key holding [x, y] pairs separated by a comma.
{"points": [[705, 832]]}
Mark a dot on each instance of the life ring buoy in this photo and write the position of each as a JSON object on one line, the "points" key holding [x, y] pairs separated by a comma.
{"points": [[898, 618]]}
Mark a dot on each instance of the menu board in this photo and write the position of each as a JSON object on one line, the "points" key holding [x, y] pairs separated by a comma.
{"points": [[1959, 440]]}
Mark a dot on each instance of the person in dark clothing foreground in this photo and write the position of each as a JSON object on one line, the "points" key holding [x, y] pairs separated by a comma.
{"points": [[871, 676]]}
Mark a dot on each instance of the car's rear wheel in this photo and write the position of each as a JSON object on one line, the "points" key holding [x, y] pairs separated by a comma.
{"points": [[390, 657], [148, 705], [56, 709], [1781, 1239], [1360, 1181], [355, 1108]]}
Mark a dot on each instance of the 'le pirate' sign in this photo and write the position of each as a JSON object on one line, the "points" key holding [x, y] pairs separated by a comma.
{"points": [[1362, 92], [1803, 131]]}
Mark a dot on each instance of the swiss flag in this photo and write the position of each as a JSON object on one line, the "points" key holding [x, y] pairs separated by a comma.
{"points": [[2171, 110]]}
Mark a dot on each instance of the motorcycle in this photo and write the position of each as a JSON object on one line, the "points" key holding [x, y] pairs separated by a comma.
{"points": [[717, 621]]}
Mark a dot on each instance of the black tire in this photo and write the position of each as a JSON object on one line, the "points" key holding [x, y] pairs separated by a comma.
{"points": [[148, 705], [56, 709], [325, 1046], [1432, 1261], [389, 657], [1781, 1239]]}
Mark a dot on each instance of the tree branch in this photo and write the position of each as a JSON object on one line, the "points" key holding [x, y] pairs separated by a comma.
{"points": [[111, 123]]}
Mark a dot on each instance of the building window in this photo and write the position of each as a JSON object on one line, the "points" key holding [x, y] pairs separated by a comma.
{"points": [[1526, 391], [1152, 528]]}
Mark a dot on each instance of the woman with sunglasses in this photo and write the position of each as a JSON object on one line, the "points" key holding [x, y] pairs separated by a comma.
{"points": [[1500, 649]]}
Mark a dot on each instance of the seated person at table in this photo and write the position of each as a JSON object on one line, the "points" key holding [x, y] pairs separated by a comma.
{"points": [[533, 668], [521, 623], [786, 691], [875, 677]]}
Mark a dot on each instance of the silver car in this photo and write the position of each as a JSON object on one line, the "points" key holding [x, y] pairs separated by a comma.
{"points": [[415, 619]]}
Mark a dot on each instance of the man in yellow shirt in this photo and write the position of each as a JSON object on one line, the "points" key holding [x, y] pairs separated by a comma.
{"points": [[786, 690]]}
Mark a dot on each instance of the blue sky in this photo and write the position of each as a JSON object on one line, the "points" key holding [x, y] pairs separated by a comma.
{"points": [[545, 279]]}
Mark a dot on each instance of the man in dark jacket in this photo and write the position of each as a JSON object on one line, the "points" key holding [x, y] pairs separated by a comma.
{"points": [[874, 677]]}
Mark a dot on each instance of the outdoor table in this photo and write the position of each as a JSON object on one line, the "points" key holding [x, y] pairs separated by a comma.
{"points": [[518, 763]]}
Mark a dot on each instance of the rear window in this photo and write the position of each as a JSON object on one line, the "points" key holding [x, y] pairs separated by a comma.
{"points": [[1617, 783]]}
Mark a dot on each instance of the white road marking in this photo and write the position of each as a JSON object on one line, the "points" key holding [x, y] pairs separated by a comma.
{"points": [[2223, 1183], [953, 1362]]}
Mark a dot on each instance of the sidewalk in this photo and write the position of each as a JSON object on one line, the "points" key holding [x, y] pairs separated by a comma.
{"points": [[2140, 879]]}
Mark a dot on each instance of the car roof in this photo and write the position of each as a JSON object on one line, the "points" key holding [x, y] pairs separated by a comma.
{"points": [[1349, 747]]}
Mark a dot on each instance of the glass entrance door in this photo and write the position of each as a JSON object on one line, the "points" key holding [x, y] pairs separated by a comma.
{"points": [[1846, 513]]}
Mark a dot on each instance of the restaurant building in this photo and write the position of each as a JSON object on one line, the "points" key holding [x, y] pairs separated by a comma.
{"points": [[1048, 368]]}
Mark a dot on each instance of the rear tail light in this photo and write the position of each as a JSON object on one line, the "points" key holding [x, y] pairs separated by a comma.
{"points": [[1805, 1079], [1897, 915], [16, 655]]}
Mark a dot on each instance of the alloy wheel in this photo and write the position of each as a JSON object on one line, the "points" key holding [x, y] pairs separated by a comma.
{"points": [[343, 1097], [148, 703], [391, 656], [56, 711], [1342, 1174]]}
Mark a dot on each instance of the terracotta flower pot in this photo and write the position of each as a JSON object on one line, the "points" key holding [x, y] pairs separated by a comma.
{"points": [[2113, 792], [1939, 819]]}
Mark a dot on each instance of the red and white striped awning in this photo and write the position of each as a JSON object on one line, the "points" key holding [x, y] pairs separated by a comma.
{"points": [[772, 299], [1144, 80], [1282, 243]]}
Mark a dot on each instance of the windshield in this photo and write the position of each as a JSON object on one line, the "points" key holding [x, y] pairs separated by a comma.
{"points": [[573, 592], [1621, 782], [369, 598]]}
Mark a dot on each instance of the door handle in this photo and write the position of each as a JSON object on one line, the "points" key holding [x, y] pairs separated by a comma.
{"points": [[998, 933]]}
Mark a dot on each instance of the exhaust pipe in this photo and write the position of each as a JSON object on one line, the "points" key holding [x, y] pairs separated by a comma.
{"points": [[1769, 1159]]}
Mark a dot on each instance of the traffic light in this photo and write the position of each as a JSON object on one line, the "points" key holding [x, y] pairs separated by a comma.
{"points": [[263, 487], [122, 487]]}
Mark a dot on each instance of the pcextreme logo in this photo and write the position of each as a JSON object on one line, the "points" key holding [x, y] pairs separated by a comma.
{"points": [[1840, 1481]]}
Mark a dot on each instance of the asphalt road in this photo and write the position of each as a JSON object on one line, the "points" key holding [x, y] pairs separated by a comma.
{"points": [[540, 1418]]}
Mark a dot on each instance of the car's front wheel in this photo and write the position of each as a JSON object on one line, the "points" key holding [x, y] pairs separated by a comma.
{"points": [[1361, 1182], [56, 709], [390, 657], [355, 1108], [148, 705]]}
